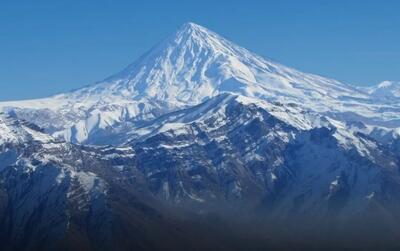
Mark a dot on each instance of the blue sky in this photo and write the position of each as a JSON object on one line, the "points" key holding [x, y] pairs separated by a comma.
{"points": [[51, 46]]}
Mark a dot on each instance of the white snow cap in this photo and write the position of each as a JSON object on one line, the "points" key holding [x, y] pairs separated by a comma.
{"points": [[188, 67]]}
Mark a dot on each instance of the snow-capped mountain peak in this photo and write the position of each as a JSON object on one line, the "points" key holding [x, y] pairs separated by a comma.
{"points": [[195, 63], [388, 90], [188, 67]]}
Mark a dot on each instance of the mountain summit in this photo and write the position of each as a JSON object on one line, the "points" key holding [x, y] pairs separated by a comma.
{"points": [[188, 67], [196, 63], [387, 90]]}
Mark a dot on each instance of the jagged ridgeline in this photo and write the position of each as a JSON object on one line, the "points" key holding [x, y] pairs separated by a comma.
{"points": [[202, 144]]}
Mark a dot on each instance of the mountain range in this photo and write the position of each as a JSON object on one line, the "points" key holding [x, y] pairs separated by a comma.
{"points": [[200, 127]]}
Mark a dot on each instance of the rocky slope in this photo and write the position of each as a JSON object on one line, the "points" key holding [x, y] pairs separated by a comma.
{"points": [[230, 151]]}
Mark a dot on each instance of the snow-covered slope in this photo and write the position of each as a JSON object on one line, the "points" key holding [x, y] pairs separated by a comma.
{"points": [[188, 67], [234, 147], [231, 150], [217, 109], [55, 195], [13, 131], [387, 90]]}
